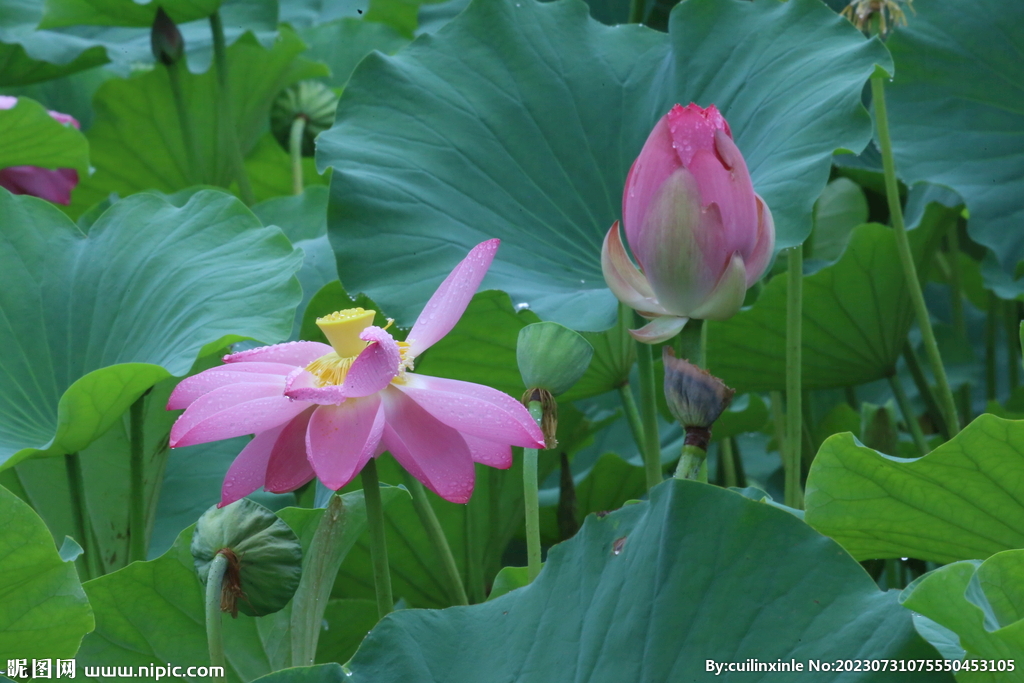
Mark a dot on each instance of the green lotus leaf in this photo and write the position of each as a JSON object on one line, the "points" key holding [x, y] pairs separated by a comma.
{"points": [[136, 139], [959, 502], [981, 603], [29, 56], [520, 121], [90, 322], [45, 612], [31, 137], [856, 315], [640, 595], [60, 13], [955, 113]]}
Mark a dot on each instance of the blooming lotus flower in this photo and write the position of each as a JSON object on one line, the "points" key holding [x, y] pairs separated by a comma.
{"points": [[53, 185], [700, 233], [324, 411]]}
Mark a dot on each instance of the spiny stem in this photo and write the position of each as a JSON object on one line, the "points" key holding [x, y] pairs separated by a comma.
{"points": [[727, 463], [924, 389], [651, 446], [227, 128], [530, 496], [378, 542], [945, 394], [991, 326], [636, 11], [214, 585], [794, 495], [428, 518], [295, 151], [137, 501]]}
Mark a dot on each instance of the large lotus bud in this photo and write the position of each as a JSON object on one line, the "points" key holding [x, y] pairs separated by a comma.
{"points": [[699, 232]]}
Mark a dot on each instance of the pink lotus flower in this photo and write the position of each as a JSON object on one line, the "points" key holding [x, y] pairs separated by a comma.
{"points": [[53, 185], [324, 411], [700, 233]]}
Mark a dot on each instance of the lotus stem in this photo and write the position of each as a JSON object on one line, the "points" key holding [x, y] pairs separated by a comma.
{"points": [[924, 389], [378, 542], [137, 512], [636, 11], [319, 569], [428, 518], [945, 394], [727, 462], [1013, 344], [794, 495], [651, 442], [295, 152], [214, 586], [531, 502], [991, 327], [188, 134], [693, 464], [227, 127], [80, 516], [913, 426]]}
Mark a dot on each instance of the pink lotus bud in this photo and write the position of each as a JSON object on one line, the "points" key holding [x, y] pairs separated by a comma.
{"points": [[699, 232], [53, 185]]}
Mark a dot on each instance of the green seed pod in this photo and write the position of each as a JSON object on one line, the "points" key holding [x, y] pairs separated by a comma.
{"points": [[264, 556], [552, 357], [311, 101]]}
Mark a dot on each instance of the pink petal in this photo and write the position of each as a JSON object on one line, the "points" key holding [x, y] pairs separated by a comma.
{"points": [[765, 246], [474, 409], [7, 102], [660, 329], [490, 453], [693, 129], [249, 468], [301, 386], [731, 190], [233, 411], [191, 388], [54, 185], [341, 439], [300, 353], [449, 302], [656, 162], [679, 245], [375, 366], [431, 451], [288, 467], [627, 283]]}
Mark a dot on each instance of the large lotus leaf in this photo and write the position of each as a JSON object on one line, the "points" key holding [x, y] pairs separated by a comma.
{"points": [[855, 319], [90, 322], [137, 141], [153, 611], [45, 611], [653, 591], [956, 116], [342, 43], [29, 56], [121, 13], [962, 501], [31, 137], [981, 603], [520, 120]]}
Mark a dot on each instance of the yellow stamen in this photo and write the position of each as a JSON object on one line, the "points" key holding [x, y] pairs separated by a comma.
{"points": [[330, 369], [342, 330]]}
